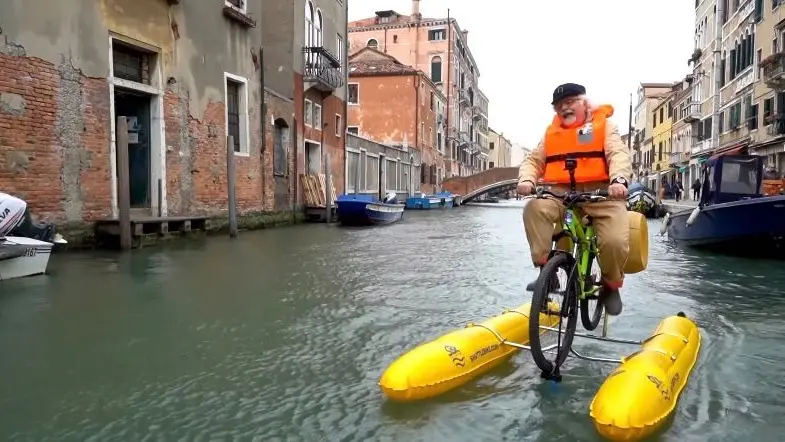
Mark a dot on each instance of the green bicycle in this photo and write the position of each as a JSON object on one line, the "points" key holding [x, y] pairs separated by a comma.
{"points": [[581, 288]]}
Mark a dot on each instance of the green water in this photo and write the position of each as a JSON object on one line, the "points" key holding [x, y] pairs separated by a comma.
{"points": [[283, 334]]}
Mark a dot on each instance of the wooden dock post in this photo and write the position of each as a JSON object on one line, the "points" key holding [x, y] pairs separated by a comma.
{"points": [[230, 180], [123, 182], [328, 189]]}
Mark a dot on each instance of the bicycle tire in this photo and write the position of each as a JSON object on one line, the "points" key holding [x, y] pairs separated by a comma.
{"points": [[539, 298], [590, 320]]}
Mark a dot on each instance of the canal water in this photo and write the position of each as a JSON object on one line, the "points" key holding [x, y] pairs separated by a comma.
{"points": [[283, 334]]}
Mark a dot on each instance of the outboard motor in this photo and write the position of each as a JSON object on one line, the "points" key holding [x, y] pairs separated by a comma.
{"points": [[390, 198], [15, 220]]}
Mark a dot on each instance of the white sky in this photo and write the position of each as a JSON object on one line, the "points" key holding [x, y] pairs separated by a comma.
{"points": [[524, 49]]}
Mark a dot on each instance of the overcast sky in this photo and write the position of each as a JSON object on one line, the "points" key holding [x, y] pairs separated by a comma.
{"points": [[524, 49]]}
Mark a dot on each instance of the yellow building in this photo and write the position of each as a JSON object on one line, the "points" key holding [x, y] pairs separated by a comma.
{"points": [[661, 147]]}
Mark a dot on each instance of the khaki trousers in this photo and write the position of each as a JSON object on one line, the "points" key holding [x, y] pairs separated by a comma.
{"points": [[542, 218]]}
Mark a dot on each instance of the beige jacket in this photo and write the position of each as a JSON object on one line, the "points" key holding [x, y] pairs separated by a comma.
{"points": [[616, 153]]}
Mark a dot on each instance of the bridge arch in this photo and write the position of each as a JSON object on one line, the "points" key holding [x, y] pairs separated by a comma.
{"points": [[473, 186]]}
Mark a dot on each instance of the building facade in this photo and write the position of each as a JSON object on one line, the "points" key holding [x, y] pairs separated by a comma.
{"points": [[500, 149], [649, 95], [185, 75], [439, 47], [397, 105], [751, 87], [662, 122], [685, 112]]}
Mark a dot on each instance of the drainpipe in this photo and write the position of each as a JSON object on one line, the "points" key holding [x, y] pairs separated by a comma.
{"points": [[345, 67], [263, 126], [715, 117], [449, 85]]}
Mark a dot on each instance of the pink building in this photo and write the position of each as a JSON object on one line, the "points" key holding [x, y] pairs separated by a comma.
{"points": [[440, 48]]}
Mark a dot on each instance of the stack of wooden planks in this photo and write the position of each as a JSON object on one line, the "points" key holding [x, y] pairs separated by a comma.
{"points": [[313, 190]]}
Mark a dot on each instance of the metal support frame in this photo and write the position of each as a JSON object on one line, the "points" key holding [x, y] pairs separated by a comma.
{"points": [[551, 348]]}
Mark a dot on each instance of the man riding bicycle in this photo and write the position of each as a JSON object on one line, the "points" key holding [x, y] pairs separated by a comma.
{"points": [[586, 134]]}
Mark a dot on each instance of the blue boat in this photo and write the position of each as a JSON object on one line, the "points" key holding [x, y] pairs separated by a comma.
{"points": [[367, 210], [733, 215], [440, 200]]}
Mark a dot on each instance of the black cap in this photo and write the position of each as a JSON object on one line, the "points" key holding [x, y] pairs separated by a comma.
{"points": [[567, 90]]}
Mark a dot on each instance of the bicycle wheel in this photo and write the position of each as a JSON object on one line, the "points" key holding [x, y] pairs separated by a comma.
{"points": [[567, 310], [591, 306]]}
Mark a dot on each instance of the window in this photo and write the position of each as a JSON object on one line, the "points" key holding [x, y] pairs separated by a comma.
{"points": [[436, 69], [354, 94], [768, 110], [236, 102], [317, 116], [436, 34], [490, 165], [309, 23], [318, 40], [662, 114], [491, 145], [338, 125], [280, 145], [339, 45], [130, 63], [373, 44], [308, 113], [752, 117], [354, 130]]}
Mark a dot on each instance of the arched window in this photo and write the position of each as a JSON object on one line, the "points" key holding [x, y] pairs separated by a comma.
{"points": [[436, 69], [318, 39], [373, 44], [280, 147], [309, 24]]}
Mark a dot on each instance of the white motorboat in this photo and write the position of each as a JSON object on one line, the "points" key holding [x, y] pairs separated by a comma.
{"points": [[20, 257]]}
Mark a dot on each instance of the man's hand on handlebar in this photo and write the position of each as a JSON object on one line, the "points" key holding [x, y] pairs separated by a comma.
{"points": [[525, 188], [617, 191]]}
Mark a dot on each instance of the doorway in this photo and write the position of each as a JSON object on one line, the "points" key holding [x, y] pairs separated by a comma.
{"points": [[135, 106], [313, 158]]}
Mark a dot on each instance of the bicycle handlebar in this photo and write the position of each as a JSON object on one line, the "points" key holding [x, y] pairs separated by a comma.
{"points": [[575, 197]]}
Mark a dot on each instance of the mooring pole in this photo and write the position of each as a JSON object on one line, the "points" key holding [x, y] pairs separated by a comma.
{"points": [[328, 189], [230, 180], [123, 182]]}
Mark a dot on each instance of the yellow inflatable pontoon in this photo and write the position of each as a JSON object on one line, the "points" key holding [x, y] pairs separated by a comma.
{"points": [[454, 359], [637, 398]]}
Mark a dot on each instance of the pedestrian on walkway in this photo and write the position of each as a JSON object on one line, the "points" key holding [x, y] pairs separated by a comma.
{"points": [[696, 189], [678, 188]]}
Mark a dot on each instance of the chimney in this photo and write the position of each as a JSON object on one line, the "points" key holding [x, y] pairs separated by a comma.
{"points": [[466, 37], [416, 16]]}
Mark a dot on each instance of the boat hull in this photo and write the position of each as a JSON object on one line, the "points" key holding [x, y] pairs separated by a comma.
{"points": [[438, 366], [33, 261], [737, 226], [637, 398], [429, 202], [379, 213]]}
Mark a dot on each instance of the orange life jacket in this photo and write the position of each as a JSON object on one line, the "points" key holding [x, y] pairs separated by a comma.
{"points": [[584, 143]]}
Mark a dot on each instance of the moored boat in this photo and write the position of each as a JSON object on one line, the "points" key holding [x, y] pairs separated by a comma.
{"points": [[366, 210], [20, 257], [637, 398], [642, 199], [733, 214], [440, 200], [381, 213]]}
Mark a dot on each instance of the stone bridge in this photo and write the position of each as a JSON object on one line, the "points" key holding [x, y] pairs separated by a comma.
{"points": [[473, 186]]}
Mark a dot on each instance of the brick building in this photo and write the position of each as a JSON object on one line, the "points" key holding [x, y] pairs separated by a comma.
{"points": [[440, 47], [186, 75], [398, 105]]}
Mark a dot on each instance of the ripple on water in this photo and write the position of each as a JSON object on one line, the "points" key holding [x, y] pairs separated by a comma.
{"points": [[285, 336]]}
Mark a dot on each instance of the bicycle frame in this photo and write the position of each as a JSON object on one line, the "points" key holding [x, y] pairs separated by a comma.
{"points": [[583, 245]]}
